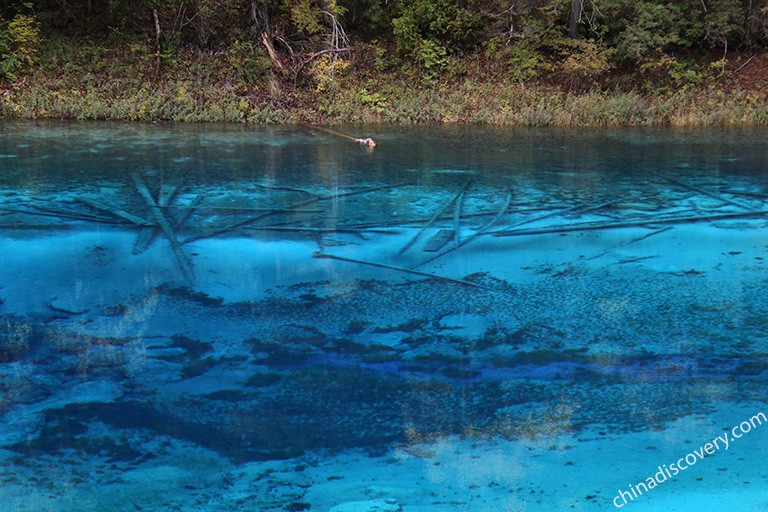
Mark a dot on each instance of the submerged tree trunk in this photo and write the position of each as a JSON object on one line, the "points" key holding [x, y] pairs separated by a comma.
{"points": [[576, 9]]}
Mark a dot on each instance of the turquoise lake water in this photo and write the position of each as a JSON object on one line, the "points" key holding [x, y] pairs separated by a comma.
{"points": [[210, 318]]}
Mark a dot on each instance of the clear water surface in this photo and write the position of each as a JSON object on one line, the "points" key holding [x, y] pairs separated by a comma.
{"points": [[207, 318]]}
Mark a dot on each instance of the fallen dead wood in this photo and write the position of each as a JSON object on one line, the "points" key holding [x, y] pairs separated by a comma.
{"points": [[146, 235], [309, 229], [398, 269], [286, 189], [630, 242], [271, 50], [704, 191], [51, 227], [189, 209], [117, 212], [591, 226], [748, 194], [367, 141], [249, 209], [457, 217], [162, 221], [73, 214], [59, 214], [577, 208], [483, 229], [407, 222], [438, 241], [435, 217], [288, 209]]}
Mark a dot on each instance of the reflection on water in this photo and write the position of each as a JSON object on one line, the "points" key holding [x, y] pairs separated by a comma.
{"points": [[208, 318]]}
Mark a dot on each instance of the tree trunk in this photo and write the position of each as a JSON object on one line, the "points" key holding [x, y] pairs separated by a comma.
{"points": [[259, 17], [158, 32], [576, 9]]}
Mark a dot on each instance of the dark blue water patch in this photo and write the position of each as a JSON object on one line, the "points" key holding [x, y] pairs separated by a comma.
{"points": [[342, 408]]}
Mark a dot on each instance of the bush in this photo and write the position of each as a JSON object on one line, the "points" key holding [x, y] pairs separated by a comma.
{"points": [[427, 30], [20, 42]]}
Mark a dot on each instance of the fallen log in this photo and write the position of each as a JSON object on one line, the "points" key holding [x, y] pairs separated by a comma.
{"points": [[286, 189], [117, 212], [288, 209], [397, 269], [591, 226], [367, 141], [146, 235], [438, 241], [435, 217], [457, 217], [479, 232], [704, 191], [162, 221], [309, 229], [60, 214], [630, 242]]}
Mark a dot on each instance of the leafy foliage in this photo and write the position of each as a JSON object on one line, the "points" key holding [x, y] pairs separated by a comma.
{"points": [[20, 41], [313, 43]]}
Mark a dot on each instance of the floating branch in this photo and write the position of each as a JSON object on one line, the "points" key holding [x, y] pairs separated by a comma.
{"points": [[367, 142], [115, 211], [435, 217], [484, 229], [590, 226], [398, 269], [162, 221], [704, 191]]}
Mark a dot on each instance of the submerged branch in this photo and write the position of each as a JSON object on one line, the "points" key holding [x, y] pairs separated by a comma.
{"points": [[398, 269]]}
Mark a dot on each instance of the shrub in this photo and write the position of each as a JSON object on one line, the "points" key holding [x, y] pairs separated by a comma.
{"points": [[20, 41]]}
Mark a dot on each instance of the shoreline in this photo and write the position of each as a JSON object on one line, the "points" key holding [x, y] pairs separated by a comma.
{"points": [[469, 102]]}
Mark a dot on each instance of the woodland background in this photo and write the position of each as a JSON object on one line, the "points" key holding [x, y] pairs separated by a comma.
{"points": [[530, 62]]}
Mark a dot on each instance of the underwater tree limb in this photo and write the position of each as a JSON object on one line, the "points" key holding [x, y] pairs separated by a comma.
{"points": [[162, 221], [115, 211], [435, 217], [592, 226], [484, 229], [146, 235], [398, 269], [288, 209], [630, 242], [703, 191]]}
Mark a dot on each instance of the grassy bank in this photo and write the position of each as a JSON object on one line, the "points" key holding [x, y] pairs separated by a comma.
{"points": [[127, 82]]}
